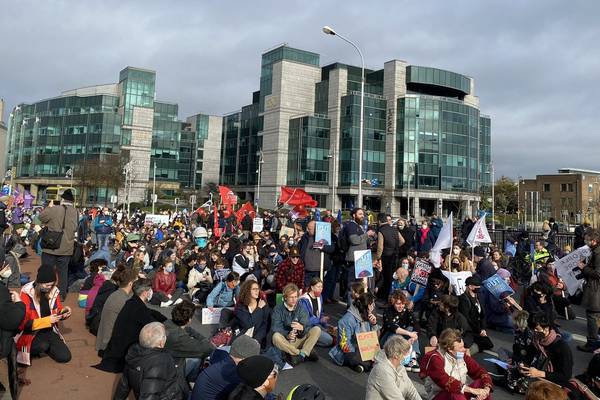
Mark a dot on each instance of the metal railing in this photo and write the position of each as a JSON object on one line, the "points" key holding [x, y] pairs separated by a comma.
{"points": [[500, 236]]}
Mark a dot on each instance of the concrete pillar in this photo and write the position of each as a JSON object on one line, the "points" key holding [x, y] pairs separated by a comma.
{"points": [[416, 208]]}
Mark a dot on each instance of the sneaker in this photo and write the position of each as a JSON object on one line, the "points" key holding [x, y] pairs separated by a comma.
{"points": [[359, 368], [587, 348], [414, 366], [313, 356], [295, 360], [165, 304], [178, 301]]}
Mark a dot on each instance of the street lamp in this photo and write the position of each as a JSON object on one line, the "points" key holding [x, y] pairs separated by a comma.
{"points": [[154, 188], [493, 199], [329, 31], [260, 163], [331, 156]]}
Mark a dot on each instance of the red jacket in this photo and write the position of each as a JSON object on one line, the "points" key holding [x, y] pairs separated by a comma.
{"points": [[164, 283], [32, 322], [432, 366], [289, 273]]}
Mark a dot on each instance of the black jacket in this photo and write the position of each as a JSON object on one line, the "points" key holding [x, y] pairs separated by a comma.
{"points": [[467, 306], [259, 320], [93, 318], [126, 331], [591, 288], [439, 322], [11, 316], [152, 375], [561, 357]]}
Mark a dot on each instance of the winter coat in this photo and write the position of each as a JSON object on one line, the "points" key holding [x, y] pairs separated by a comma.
{"points": [[99, 280], [52, 217], [108, 315], [436, 227], [348, 326], [314, 316], [259, 320], [12, 316], [287, 272], [427, 244], [327, 250], [392, 320], [439, 322], [467, 306], [282, 318], [591, 288], [14, 280], [185, 343], [103, 224], [356, 237], [196, 277], [389, 383], [164, 283], [409, 241], [32, 323], [93, 318], [151, 374], [222, 295]]}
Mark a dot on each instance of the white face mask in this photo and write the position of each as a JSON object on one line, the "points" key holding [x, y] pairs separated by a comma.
{"points": [[150, 293], [6, 273]]}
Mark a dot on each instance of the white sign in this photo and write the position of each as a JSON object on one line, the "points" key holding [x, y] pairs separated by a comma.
{"points": [[257, 225], [457, 280], [567, 269], [156, 219], [211, 316], [113, 199], [479, 233]]}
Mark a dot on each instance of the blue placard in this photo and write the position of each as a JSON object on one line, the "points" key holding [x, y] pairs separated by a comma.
{"points": [[498, 287], [510, 248], [363, 264], [323, 232]]}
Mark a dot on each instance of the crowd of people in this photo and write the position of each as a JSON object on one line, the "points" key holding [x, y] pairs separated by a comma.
{"points": [[142, 284]]}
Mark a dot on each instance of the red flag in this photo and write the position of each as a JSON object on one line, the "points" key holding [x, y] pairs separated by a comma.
{"points": [[216, 230], [227, 195], [246, 207], [296, 197]]}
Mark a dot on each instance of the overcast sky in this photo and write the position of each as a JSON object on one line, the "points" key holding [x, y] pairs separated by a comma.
{"points": [[536, 64]]}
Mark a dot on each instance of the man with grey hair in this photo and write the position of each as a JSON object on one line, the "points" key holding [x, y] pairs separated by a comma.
{"points": [[388, 379], [150, 370]]}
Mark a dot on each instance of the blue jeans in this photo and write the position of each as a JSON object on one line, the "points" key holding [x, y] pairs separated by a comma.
{"points": [[331, 279], [102, 240], [325, 339]]}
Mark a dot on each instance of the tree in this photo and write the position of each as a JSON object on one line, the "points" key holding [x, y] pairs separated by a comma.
{"points": [[505, 196]]}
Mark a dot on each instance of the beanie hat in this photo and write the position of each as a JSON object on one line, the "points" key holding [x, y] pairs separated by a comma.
{"points": [[244, 347], [479, 251], [68, 195], [254, 371], [46, 274]]}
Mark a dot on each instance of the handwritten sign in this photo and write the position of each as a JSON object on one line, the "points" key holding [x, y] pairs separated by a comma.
{"points": [[498, 287], [212, 316], [421, 272], [257, 225], [457, 280], [363, 264], [156, 219], [368, 345], [567, 269], [323, 232], [287, 231]]}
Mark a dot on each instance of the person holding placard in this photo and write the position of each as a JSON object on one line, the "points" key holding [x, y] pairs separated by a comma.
{"points": [[591, 290], [359, 318], [471, 308], [312, 251]]}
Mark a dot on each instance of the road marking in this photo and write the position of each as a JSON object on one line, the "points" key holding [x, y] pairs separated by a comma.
{"points": [[579, 338], [581, 318]]}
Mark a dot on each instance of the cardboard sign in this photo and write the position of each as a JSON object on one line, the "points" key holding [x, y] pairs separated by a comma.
{"points": [[323, 232], [221, 274], [498, 287], [421, 272], [212, 316], [286, 230], [568, 270], [257, 225], [457, 280], [363, 264], [156, 219], [368, 345]]}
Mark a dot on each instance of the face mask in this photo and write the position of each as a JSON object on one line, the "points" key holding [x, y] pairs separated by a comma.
{"points": [[476, 290], [6, 274], [407, 359], [539, 335], [405, 265], [317, 293], [291, 243], [460, 355], [45, 290], [169, 269], [201, 242], [150, 293]]}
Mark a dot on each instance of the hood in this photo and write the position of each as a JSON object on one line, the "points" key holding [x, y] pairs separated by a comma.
{"points": [[354, 311]]}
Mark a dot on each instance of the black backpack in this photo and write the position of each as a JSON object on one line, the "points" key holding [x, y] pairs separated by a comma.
{"points": [[343, 242]]}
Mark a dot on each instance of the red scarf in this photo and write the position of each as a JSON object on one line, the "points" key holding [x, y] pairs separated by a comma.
{"points": [[424, 233], [542, 344]]}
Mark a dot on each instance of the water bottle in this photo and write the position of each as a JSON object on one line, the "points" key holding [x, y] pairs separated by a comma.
{"points": [[293, 330]]}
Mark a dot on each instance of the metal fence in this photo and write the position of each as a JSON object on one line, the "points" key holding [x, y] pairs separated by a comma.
{"points": [[500, 236]]}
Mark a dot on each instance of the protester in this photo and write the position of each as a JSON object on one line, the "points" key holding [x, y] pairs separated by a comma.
{"points": [[291, 270], [399, 320], [13, 311], [445, 317], [543, 390], [224, 294], [313, 304], [470, 307], [164, 285], [258, 375], [311, 253], [389, 242], [251, 316], [103, 228], [109, 286], [591, 290]]}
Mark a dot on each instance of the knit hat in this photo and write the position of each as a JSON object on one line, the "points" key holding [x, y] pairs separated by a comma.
{"points": [[68, 195], [46, 274], [254, 371], [473, 281], [479, 251], [244, 347]]}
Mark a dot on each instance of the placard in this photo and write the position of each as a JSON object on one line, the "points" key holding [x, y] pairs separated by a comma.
{"points": [[457, 280], [156, 219], [363, 264], [221, 274], [568, 270], [211, 316], [498, 287], [257, 225], [421, 272], [323, 232], [368, 345], [286, 230]]}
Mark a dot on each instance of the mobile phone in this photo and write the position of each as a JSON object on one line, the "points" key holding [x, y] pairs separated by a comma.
{"points": [[63, 311]]}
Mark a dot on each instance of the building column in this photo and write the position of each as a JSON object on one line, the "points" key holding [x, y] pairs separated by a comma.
{"points": [[416, 208]]}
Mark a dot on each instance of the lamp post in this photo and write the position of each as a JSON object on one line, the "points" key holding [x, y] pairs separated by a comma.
{"points": [[493, 199], [154, 187], [329, 31], [331, 156], [260, 163], [519, 199], [128, 171]]}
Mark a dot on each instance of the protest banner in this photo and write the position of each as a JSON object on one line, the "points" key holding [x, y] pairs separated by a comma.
{"points": [[221, 274], [257, 225], [368, 345], [211, 316], [568, 270], [287, 231], [156, 219], [498, 287], [421, 272], [457, 280], [323, 232], [363, 264]]}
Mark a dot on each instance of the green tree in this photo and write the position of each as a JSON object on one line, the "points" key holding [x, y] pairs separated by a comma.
{"points": [[505, 196]]}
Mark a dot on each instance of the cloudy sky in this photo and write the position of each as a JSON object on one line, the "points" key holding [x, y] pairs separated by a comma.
{"points": [[536, 63]]}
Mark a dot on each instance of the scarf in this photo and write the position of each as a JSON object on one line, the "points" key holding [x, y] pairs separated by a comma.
{"points": [[543, 343], [424, 233]]}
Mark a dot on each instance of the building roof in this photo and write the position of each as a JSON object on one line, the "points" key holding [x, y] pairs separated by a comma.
{"points": [[577, 171]]}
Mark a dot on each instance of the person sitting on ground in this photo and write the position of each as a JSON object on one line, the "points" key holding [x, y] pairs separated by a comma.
{"points": [[258, 375], [12, 310], [359, 318], [224, 294], [398, 320], [470, 307], [291, 270], [446, 369], [200, 280], [590, 378], [10, 269], [388, 379], [39, 329], [165, 292], [92, 320], [445, 317], [252, 313], [188, 347], [290, 327], [548, 275], [150, 370], [130, 321], [544, 390], [97, 280], [112, 307], [218, 380], [313, 304]]}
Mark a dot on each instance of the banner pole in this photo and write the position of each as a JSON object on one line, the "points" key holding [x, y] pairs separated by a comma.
{"points": [[322, 262]]}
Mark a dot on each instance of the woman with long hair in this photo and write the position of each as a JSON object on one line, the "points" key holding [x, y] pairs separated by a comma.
{"points": [[252, 313]]}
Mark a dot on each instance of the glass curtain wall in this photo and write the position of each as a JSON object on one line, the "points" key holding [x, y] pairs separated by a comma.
{"points": [[308, 151]]}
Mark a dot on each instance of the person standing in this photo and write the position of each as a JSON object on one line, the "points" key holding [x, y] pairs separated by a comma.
{"points": [[591, 290], [103, 228], [310, 253], [353, 238], [61, 219], [389, 241]]}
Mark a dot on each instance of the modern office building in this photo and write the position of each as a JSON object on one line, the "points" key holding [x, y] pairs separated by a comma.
{"points": [[569, 196], [3, 136], [426, 144], [107, 125]]}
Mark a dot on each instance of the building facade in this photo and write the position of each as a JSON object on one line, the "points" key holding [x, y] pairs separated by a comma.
{"points": [[426, 147], [570, 196], [105, 125], [3, 138]]}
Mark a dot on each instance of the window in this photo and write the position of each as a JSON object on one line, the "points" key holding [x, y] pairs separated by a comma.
{"points": [[546, 187]]}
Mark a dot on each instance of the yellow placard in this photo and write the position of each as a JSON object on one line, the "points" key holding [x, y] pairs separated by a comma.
{"points": [[368, 345]]}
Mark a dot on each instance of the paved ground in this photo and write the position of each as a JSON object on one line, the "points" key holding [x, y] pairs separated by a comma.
{"points": [[77, 380]]}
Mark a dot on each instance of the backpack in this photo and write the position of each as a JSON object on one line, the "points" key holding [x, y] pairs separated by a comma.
{"points": [[343, 242]]}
